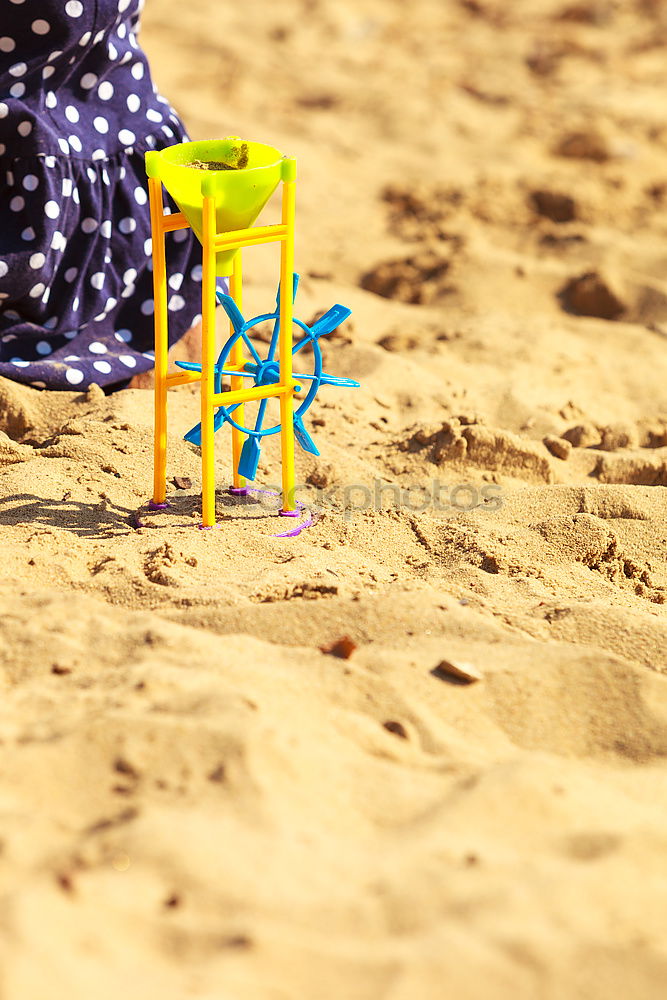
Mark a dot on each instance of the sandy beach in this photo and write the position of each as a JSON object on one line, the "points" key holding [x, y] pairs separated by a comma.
{"points": [[200, 798]]}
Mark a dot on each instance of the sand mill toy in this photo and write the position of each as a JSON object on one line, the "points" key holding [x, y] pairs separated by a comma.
{"points": [[220, 187]]}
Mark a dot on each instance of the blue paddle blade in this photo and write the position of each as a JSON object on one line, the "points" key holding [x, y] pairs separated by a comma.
{"points": [[303, 437], [332, 318], [249, 459], [232, 310], [194, 435]]}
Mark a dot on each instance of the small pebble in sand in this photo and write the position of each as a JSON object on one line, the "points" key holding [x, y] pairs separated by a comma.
{"points": [[558, 446], [397, 728], [554, 205], [588, 145], [182, 482], [592, 294], [458, 670], [343, 648]]}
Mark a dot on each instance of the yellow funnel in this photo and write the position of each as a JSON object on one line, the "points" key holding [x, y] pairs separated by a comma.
{"points": [[241, 191]]}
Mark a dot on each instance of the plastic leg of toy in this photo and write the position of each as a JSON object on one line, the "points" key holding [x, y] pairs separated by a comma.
{"points": [[236, 357], [161, 345], [208, 363], [286, 341]]}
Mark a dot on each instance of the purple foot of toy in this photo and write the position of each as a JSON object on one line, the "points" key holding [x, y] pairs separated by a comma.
{"points": [[239, 491], [158, 506], [206, 527], [289, 513]]}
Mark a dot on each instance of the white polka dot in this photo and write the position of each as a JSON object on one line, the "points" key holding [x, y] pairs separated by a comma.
{"points": [[76, 197], [74, 8], [50, 99], [129, 276], [37, 260], [70, 334], [105, 91], [28, 234], [128, 360], [71, 357], [36, 290], [3, 149], [88, 81], [58, 241], [140, 196], [17, 203], [20, 363], [128, 291], [17, 89], [74, 376], [49, 161], [102, 366], [30, 182], [97, 279], [124, 336], [54, 55], [196, 272], [52, 209], [148, 244], [112, 51], [47, 295], [71, 114], [121, 31], [47, 72], [126, 136], [92, 174], [64, 145], [105, 229], [99, 154], [89, 225], [148, 307], [3, 268], [25, 128], [101, 124], [138, 71], [153, 116], [4, 110], [75, 304], [42, 347], [75, 143], [41, 27], [85, 38], [18, 69], [180, 235], [51, 323], [110, 303], [133, 102], [127, 225], [176, 302], [7, 44], [105, 176], [66, 187], [97, 348], [123, 5], [176, 281], [71, 273]]}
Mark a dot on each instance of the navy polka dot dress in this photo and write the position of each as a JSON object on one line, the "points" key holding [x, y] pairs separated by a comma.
{"points": [[78, 111]]}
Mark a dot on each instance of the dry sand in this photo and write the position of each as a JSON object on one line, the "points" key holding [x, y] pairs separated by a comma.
{"points": [[199, 802]]}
